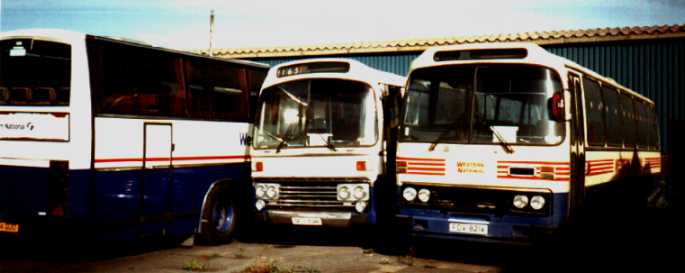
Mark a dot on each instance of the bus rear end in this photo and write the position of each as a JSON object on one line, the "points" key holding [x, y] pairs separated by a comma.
{"points": [[39, 141], [483, 153]]}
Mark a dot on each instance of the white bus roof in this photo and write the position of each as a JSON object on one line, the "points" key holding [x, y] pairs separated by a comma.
{"points": [[357, 71], [73, 37], [535, 54]]}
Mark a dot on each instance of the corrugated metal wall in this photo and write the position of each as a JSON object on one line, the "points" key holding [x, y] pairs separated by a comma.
{"points": [[654, 68]]}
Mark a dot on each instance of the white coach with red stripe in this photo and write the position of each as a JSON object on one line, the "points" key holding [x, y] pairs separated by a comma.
{"points": [[506, 142]]}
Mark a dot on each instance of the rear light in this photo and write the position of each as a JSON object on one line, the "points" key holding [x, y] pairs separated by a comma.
{"points": [[258, 166], [361, 166], [58, 188], [401, 166], [556, 107]]}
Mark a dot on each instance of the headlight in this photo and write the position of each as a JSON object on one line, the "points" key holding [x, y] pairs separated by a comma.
{"points": [[537, 202], [260, 204], [260, 190], [272, 191], [409, 194], [343, 193], [359, 192], [520, 201], [360, 206], [424, 195]]}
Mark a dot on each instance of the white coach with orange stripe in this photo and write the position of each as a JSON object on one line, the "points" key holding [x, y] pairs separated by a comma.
{"points": [[320, 141], [507, 141]]}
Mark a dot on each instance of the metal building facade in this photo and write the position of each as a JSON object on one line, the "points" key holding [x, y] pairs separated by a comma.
{"points": [[652, 67]]}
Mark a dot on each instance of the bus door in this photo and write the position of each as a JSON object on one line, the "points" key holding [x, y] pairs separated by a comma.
{"points": [[577, 190], [156, 183]]}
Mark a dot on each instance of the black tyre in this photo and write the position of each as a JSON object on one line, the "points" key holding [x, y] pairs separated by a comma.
{"points": [[219, 217]]}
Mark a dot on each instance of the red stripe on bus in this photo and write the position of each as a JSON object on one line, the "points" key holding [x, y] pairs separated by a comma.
{"points": [[420, 158], [425, 173], [599, 172], [425, 169], [180, 158], [534, 178], [425, 163], [602, 164], [534, 162], [595, 167]]}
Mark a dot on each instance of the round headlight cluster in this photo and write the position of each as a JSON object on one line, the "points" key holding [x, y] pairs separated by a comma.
{"points": [[266, 191], [359, 192], [424, 195], [520, 201], [410, 194], [260, 190], [344, 193], [537, 202], [353, 192]]}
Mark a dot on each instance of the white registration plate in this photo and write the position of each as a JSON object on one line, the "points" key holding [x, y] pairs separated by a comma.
{"points": [[306, 221], [469, 228]]}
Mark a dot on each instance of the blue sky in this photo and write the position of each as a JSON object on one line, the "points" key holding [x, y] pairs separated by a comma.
{"points": [[265, 23]]}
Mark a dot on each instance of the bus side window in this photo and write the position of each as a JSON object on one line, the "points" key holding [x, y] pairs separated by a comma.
{"points": [[642, 133], [612, 111], [653, 128], [594, 105], [629, 128], [134, 81], [216, 91]]}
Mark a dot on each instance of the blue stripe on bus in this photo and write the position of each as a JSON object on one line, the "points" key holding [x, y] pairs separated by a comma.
{"points": [[116, 196]]}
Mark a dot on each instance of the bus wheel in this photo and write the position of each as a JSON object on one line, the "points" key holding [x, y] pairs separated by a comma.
{"points": [[219, 217]]}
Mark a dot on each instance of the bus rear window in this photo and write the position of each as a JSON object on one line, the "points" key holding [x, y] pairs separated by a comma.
{"points": [[34, 73]]}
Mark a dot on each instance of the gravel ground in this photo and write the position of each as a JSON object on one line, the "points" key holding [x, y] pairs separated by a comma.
{"points": [[650, 243]]}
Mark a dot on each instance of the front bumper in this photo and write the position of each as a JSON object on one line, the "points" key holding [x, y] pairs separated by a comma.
{"points": [[327, 218], [500, 229]]}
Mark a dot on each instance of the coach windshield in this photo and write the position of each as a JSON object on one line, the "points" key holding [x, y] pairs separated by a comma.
{"points": [[482, 104], [319, 112]]}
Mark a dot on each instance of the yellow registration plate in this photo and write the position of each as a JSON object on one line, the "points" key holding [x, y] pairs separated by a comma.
{"points": [[7, 227]]}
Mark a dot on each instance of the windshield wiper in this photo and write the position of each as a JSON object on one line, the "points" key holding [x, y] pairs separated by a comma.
{"points": [[293, 97], [506, 146], [444, 134], [329, 144], [281, 141], [441, 137]]}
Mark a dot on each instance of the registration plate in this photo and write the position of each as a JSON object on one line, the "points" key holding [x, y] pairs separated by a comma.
{"points": [[306, 221], [469, 228], [7, 227]]}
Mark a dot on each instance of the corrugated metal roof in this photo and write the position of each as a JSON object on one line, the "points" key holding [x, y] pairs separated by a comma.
{"points": [[541, 37]]}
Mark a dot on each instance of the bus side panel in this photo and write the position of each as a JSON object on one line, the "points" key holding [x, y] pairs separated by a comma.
{"points": [[190, 185], [117, 204], [23, 192], [154, 198]]}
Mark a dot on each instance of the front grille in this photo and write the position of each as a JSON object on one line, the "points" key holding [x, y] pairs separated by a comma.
{"points": [[298, 195], [309, 193]]}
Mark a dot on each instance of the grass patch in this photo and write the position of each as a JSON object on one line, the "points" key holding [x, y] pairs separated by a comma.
{"points": [[202, 264], [195, 265], [271, 266]]}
